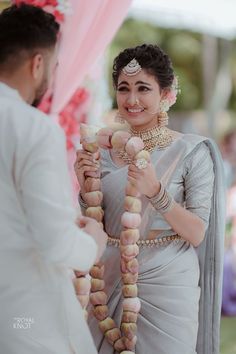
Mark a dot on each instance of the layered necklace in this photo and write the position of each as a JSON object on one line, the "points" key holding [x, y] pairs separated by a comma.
{"points": [[158, 137]]}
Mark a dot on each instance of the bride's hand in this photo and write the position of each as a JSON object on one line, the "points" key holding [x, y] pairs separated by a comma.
{"points": [[85, 162], [144, 180]]}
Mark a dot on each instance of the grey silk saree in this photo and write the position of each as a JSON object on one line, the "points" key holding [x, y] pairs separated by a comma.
{"points": [[179, 286]]}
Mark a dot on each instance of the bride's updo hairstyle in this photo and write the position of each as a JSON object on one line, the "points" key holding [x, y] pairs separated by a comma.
{"points": [[151, 58]]}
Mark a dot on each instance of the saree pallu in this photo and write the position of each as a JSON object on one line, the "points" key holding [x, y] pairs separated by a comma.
{"points": [[179, 286]]}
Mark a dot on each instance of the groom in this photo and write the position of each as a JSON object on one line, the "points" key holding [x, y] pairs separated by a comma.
{"points": [[39, 240]]}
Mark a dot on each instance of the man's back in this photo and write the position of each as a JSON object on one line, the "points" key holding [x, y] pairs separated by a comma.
{"points": [[38, 304], [17, 121]]}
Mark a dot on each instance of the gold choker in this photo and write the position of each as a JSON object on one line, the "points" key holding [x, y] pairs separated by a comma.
{"points": [[154, 138]]}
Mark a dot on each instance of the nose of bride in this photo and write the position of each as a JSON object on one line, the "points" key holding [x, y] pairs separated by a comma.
{"points": [[132, 100]]}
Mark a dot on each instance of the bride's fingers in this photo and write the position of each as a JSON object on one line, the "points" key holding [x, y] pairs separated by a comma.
{"points": [[86, 163], [132, 167], [132, 174], [132, 180], [88, 169], [80, 155], [83, 152]]}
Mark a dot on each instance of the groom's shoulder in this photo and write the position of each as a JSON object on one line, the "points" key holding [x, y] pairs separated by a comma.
{"points": [[27, 122], [34, 118]]}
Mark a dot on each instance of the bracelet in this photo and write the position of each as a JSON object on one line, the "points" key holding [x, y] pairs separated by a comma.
{"points": [[163, 201], [82, 203]]}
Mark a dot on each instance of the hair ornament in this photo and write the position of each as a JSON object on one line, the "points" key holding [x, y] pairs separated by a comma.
{"points": [[132, 68], [171, 96]]}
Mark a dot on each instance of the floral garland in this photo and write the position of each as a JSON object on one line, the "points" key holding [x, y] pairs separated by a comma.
{"points": [[124, 338]]}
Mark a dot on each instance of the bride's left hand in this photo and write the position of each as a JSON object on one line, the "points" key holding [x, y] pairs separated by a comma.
{"points": [[144, 180]]}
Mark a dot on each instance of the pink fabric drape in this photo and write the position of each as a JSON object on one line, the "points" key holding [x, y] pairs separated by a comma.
{"points": [[86, 33]]}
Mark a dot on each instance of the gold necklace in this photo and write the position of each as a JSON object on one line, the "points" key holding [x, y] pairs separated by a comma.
{"points": [[153, 138]]}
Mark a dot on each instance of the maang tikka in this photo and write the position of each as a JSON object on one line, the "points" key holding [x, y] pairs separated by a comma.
{"points": [[132, 68]]}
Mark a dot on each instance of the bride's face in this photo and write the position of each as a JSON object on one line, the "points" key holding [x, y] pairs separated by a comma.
{"points": [[138, 99]]}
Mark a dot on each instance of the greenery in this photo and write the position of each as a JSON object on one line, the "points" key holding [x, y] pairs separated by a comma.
{"points": [[232, 103], [4, 4], [183, 47], [185, 50], [227, 340]]}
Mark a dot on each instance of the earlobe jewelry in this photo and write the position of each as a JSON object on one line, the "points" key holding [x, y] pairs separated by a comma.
{"points": [[164, 105], [118, 118], [166, 102], [162, 119]]}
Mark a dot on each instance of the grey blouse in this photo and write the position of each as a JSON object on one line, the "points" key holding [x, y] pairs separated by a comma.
{"points": [[191, 186]]}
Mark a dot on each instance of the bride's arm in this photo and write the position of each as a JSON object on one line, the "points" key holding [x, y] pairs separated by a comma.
{"points": [[186, 224], [191, 221]]}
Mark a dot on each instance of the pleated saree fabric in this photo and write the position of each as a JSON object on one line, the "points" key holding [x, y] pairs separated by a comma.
{"points": [[179, 286]]}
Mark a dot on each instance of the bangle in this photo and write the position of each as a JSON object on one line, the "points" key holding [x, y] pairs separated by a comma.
{"points": [[82, 203], [163, 201]]}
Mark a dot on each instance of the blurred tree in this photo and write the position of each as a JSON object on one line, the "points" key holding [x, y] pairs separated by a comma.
{"points": [[185, 49], [4, 4]]}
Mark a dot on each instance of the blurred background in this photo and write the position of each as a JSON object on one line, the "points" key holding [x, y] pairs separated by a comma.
{"points": [[200, 37]]}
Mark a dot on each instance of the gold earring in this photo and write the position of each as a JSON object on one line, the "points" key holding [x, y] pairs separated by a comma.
{"points": [[118, 118], [162, 119], [164, 105]]}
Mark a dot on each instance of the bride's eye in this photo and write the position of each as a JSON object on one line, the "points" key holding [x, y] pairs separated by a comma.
{"points": [[144, 88], [122, 88]]}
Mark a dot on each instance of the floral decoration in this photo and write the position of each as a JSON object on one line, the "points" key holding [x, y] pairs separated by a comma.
{"points": [[59, 8], [171, 96]]}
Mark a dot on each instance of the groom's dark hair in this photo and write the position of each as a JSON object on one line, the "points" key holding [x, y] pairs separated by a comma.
{"points": [[25, 30]]}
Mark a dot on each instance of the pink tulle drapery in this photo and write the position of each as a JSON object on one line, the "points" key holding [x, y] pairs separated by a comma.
{"points": [[86, 33]]}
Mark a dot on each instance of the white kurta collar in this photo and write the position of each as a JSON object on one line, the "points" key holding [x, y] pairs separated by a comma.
{"points": [[6, 90]]}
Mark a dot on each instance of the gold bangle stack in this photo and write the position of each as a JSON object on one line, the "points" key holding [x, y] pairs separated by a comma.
{"points": [[163, 201]]}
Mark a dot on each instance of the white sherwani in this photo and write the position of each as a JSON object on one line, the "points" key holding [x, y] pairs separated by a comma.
{"points": [[39, 242]]}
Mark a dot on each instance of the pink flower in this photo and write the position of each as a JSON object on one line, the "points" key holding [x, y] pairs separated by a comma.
{"points": [[51, 6], [171, 97], [58, 16]]}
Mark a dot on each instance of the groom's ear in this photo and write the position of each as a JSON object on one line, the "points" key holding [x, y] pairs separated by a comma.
{"points": [[37, 67]]}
